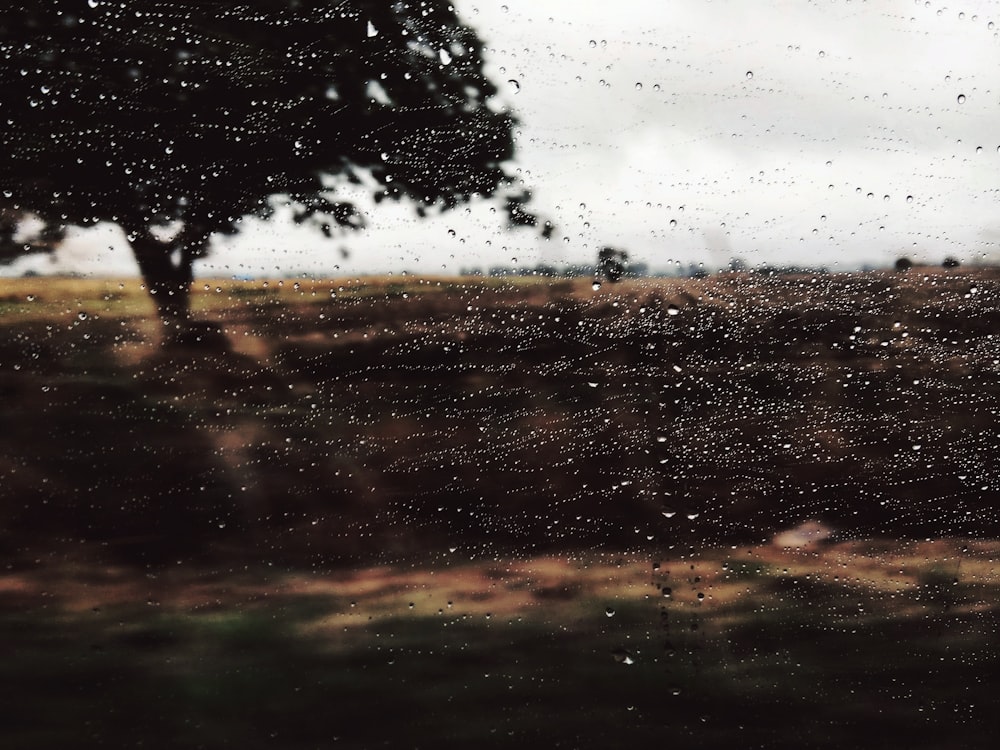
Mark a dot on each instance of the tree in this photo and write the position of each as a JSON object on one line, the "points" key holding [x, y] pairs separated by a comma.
{"points": [[951, 262], [903, 264], [177, 120], [612, 263]]}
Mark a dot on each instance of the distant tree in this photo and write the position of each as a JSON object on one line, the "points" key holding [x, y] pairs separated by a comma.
{"points": [[903, 264], [177, 120], [737, 264], [951, 262], [612, 263]]}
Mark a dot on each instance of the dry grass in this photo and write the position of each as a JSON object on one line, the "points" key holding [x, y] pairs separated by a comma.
{"points": [[479, 512]]}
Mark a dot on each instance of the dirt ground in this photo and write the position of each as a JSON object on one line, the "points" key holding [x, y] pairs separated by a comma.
{"points": [[358, 419], [448, 512]]}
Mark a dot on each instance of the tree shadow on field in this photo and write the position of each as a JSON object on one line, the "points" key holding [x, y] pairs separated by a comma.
{"points": [[307, 670], [100, 452]]}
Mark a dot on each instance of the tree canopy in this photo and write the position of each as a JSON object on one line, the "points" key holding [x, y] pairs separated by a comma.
{"points": [[178, 119], [612, 263]]}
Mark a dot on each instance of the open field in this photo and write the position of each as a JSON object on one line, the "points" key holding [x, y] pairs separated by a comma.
{"points": [[353, 418], [453, 512], [841, 647]]}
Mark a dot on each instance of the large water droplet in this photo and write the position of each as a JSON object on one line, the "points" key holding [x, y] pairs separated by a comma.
{"points": [[622, 656]]}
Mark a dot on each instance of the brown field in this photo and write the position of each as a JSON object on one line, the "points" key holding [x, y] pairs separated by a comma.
{"points": [[355, 419], [503, 511]]}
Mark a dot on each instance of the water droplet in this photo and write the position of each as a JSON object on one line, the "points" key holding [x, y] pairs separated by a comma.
{"points": [[372, 31], [622, 656], [667, 592], [596, 285], [445, 56], [673, 310], [909, 199], [515, 84], [93, 3], [961, 98], [673, 223], [609, 612], [749, 74]]}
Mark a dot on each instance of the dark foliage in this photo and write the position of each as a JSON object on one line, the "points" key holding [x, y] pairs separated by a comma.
{"points": [[186, 117], [612, 263]]}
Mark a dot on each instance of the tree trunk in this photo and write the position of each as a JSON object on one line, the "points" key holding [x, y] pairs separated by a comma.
{"points": [[167, 269], [168, 283]]}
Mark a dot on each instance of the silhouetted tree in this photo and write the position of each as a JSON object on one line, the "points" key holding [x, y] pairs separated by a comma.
{"points": [[903, 264], [177, 120], [612, 263], [951, 262]]}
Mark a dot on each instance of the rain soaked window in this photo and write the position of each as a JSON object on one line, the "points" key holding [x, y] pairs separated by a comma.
{"points": [[401, 374]]}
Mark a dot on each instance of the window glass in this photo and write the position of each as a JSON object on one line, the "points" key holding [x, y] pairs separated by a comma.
{"points": [[404, 373]]}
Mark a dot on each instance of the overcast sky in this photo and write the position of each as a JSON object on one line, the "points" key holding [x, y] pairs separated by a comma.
{"points": [[828, 132]]}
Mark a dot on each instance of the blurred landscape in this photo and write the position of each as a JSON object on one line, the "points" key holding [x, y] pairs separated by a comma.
{"points": [[753, 508]]}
